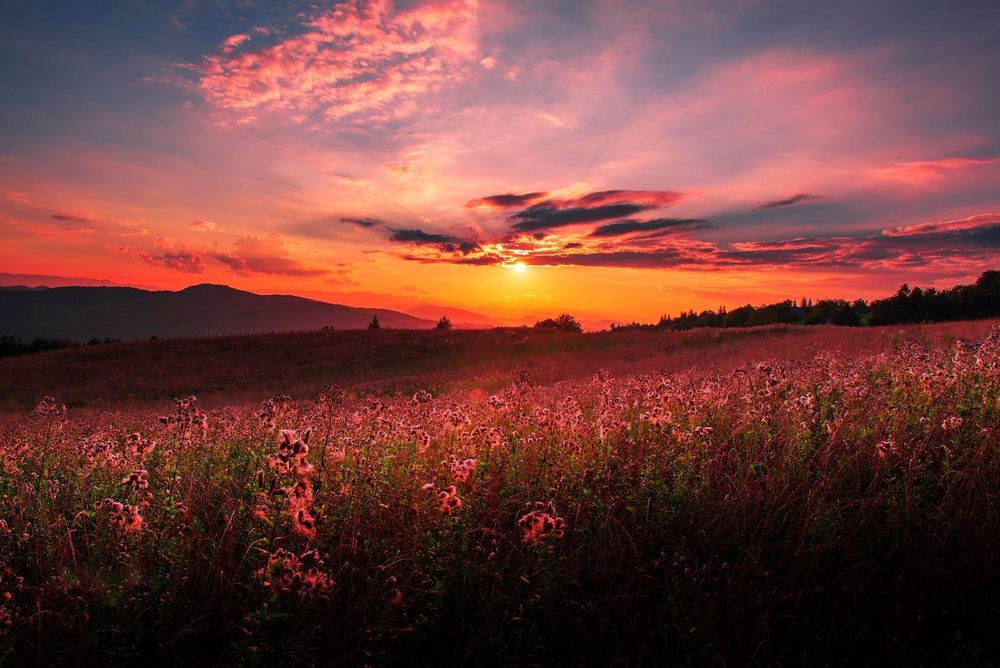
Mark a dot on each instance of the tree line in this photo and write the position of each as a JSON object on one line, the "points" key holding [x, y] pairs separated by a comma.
{"points": [[962, 302]]}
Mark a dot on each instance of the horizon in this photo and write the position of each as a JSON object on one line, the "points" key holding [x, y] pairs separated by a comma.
{"points": [[616, 161], [590, 322]]}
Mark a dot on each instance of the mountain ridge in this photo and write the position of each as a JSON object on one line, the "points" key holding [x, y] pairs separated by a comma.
{"points": [[81, 313]]}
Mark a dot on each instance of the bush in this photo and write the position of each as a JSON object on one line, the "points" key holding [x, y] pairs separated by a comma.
{"points": [[565, 323]]}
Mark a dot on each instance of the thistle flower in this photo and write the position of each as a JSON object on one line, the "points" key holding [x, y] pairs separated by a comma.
{"points": [[538, 525]]}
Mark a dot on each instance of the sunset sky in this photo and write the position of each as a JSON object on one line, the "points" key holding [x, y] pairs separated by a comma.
{"points": [[610, 159]]}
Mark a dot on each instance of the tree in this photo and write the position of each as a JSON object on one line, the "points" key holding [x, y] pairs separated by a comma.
{"points": [[443, 323], [374, 324], [565, 323]]}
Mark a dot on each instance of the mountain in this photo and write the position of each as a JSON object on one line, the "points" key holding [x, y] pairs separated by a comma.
{"points": [[460, 318], [44, 281], [83, 313]]}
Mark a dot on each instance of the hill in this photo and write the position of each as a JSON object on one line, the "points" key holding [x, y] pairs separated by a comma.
{"points": [[47, 281], [460, 318], [84, 313]]}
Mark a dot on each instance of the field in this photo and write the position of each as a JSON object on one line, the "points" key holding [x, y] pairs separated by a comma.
{"points": [[771, 496]]}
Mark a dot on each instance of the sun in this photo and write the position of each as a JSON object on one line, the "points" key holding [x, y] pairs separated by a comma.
{"points": [[519, 267]]}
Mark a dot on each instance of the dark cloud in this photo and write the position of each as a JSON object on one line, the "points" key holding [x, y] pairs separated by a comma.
{"points": [[183, 260], [507, 200], [418, 236], [547, 216], [476, 260], [589, 208], [65, 217], [668, 225], [444, 242], [790, 201], [649, 198], [362, 222], [660, 258]]}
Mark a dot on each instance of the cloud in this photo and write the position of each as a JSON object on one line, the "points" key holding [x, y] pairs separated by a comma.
{"points": [[660, 225], [506, 201], [201, 226], [590, 208], [68, 218], [922, 171], [444, 242], [356, 59], [230, 43], [253, 255], [790, 201], [182, 260], [362, 222], [945, 227], [86, 224], [968, 242], [546, 216]]}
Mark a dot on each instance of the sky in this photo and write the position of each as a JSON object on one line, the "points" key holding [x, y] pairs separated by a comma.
{"points": [[519, 159]]}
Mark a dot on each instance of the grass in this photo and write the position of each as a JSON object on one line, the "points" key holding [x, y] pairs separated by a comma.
{"points": [[243, 369], [765, 497]]}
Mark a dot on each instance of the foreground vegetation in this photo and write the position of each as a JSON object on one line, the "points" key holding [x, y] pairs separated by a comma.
{"points": [[831, 510]]}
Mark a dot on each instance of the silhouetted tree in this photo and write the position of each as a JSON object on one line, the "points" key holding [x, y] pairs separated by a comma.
{"points": [[962, 302], [443, 323], [374, 324], [565, 323]]}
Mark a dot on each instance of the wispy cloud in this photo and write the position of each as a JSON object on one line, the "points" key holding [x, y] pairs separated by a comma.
{"points": [[657, 225], [354, 59], [789, 201]]}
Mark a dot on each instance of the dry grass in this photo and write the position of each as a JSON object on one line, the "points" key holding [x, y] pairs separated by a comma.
{"points": [[243, 369]]}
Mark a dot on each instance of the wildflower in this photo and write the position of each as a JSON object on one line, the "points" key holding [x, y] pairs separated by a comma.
{"points": [[461, 469], [302, 575], [884, 448], [538, 525], [951, 423], [48, 406], [137, 446], [447, 498], [273, 410]]}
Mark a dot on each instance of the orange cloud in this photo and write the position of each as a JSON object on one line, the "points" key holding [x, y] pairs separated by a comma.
{"points": [[201, 226]]}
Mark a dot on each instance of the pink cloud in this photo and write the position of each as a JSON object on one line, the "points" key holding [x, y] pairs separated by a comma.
{"points": [[201, 226], [230, 43], [970, 223], [922, 171], [268, 255], [354, 59]]}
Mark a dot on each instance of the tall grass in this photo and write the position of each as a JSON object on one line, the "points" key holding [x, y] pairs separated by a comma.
{"points": [[833, 510]]}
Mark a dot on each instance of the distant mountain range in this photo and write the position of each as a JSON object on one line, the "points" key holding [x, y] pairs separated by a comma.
{"points": [[460, 318], [82, 313], [46, 281]]}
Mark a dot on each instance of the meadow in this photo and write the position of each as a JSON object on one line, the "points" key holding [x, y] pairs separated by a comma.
{"points": [[769, 496]]}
